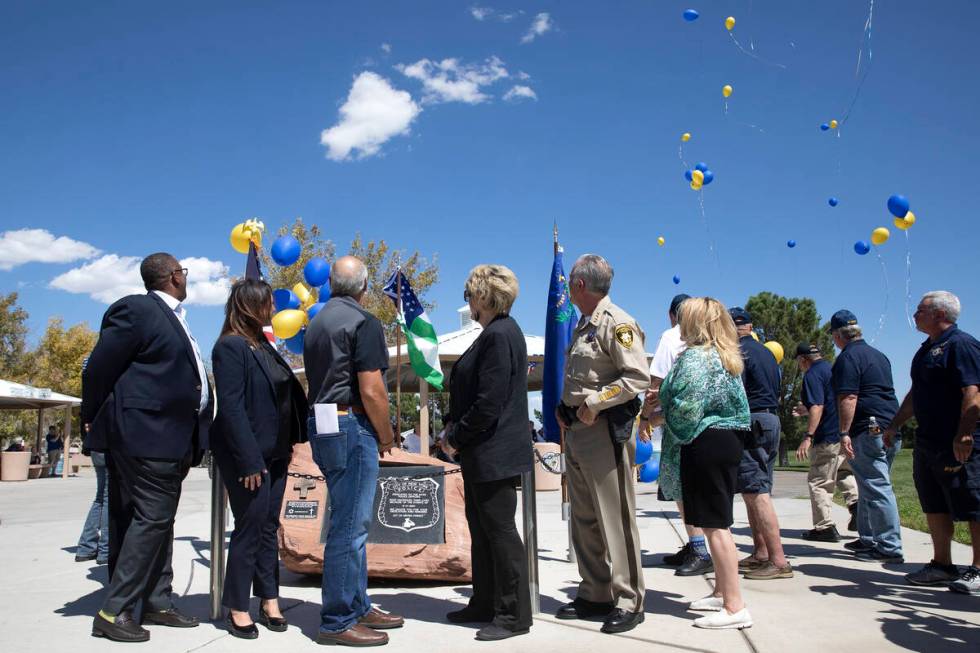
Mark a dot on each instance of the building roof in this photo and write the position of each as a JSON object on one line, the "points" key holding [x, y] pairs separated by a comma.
{"points": [[14, 396]]}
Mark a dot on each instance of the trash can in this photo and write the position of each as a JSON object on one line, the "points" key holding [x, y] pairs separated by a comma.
{"points": [[14, 464]]}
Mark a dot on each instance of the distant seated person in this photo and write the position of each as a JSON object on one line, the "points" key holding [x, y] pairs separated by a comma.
{"points": [[412, 441], [35, 456], [16, 445]]}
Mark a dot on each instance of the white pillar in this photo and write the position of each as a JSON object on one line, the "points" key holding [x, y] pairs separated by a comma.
{"points": [[66, 450], [423, 417]]}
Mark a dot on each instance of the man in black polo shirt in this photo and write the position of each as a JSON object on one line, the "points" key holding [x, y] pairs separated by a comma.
{"points": [[821, 444], [346, 358], [761, 381], [946, 462], [866, 403]]}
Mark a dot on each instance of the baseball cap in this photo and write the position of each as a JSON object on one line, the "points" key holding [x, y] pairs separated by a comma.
{"points": [[740, 316], [842, 318], [806, 349], [676, 302]]}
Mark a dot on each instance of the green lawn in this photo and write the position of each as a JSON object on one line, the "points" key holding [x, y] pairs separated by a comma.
{"points": [[909, 510]]}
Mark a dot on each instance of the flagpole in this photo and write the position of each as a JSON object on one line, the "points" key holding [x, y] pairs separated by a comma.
{"points": [[566, 506], [398, 357]]}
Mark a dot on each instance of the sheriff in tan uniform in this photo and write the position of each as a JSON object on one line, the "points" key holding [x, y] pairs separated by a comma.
{"points": [[606, 366]]}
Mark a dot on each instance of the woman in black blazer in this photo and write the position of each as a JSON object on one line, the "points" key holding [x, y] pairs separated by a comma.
{"points": [[488, 429], [261, 414]]}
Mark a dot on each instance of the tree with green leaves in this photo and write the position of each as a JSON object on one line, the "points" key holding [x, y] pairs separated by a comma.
{"points": [[789, 321], [13, 363]]}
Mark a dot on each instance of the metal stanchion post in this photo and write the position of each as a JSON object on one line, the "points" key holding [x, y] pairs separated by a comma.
{"points": [[530, 511], [218, 504], [566, 507]]}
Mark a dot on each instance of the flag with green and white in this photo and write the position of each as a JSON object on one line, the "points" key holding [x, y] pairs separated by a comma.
{"points": [[420, 336]]}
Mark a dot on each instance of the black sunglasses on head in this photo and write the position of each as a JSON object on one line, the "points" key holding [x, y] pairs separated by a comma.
{"points": [[466, 295]]}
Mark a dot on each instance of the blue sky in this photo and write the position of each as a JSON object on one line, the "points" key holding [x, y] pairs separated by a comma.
{"points": [[129, 128]]}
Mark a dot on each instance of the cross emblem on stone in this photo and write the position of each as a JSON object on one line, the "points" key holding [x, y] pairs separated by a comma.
{"points": [[304, 485]]}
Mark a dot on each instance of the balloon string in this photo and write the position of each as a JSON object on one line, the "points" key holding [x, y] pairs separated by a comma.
{"points": [[752, 54], [908, 280], [865, 42], [680, 155], [884, 310], [712, 252]]}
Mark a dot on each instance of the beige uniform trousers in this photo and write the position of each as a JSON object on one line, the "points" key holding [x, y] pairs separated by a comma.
{"points": [[828, 468], [603, 503]]}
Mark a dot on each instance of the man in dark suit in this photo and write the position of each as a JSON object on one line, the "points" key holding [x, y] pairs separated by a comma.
{"points": [[146, 402]]}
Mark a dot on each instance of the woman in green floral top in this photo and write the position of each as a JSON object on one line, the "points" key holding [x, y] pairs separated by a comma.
{"points": [[706, 414]]}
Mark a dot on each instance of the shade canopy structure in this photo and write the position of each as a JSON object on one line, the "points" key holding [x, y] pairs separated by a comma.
{"points": [[17, 396]]}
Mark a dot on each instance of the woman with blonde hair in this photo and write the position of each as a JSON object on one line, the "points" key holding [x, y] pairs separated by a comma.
{"points": [[488, 428], [706, 415]]}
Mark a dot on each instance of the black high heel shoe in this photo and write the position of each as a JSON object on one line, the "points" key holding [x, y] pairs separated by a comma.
{"points": [[243, 632], [275, 624]]}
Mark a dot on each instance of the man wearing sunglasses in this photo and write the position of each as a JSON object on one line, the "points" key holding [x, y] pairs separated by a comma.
{"points": [[146, 403]]}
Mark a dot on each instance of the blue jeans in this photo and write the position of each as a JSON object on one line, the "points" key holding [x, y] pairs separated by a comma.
{"points": [[95, 533], [877, 510], [349, 462]]}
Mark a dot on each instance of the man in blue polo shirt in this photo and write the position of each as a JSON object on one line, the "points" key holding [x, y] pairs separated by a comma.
{"points": [[761, 380], [946, 463], [821, 444], [866, 404]]}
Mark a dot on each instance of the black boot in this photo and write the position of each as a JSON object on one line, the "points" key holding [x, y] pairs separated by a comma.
{"points": [[852, 524]]}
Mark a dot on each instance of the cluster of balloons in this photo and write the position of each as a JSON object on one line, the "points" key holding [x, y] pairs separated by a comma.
{"points": [[898, 206], [648, 461], [699, 176], [828, 125]]}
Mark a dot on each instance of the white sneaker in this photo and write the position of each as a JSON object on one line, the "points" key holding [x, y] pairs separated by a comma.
{"points": [[708, 604], [725, 619]]}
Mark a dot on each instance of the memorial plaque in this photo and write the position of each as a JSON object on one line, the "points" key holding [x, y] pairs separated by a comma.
{"points": [[301, 510], [409, 510]]}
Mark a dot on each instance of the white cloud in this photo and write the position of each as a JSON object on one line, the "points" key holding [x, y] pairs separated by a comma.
{"points": [[451, 81], [374, 113], [480, 13], [40, 246], [523, 75], [112, 277], [520, 92], [542, 24], [386, 48]]}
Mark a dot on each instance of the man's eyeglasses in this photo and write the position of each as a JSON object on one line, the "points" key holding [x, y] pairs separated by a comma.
{"points": [[183, 271]]}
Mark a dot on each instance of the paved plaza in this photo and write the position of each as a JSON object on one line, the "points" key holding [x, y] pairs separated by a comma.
{"points": [[834, 603]]}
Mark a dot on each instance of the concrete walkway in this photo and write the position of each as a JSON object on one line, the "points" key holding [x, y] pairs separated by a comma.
{"points": [[834, 603]]}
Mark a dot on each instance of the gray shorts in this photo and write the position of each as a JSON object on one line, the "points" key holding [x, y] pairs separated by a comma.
{"points": [[755, 470]]}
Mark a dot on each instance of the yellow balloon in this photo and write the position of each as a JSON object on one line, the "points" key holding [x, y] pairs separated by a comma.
{"points": [[240, 238], [697, 176], [726, 90], [661, 241], [302, 293], [685, 137], [755, 336], [730, 23], [695, 185], [776, 349], [287, 323], [833, 124], [909, 219], [880, 236]]}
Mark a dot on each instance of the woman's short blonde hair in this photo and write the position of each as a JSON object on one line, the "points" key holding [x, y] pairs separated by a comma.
{"points": [[494, 287], [705, 322]]}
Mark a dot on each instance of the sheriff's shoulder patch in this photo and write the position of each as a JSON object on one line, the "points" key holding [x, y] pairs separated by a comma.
{"points": [[624, 335]]}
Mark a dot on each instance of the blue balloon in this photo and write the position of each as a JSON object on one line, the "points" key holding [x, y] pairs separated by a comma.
{"points": [[324, 295], [833, 201], [824, 127], [295, 344], [316, 272], [285, 299], [708, 177], [643, 452], [650, 471], [791, 243], [313, 310], [701, 165], [898, 205], [862, 247], [691, 15], [286, 250], [677, 279], [688, 175]]}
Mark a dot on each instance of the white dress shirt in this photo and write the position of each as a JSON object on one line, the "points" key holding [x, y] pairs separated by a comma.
{"points": [[669, 349], [180, 312]]}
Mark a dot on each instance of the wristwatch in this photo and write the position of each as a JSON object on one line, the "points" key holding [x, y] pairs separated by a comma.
{"points": [[845, 434]]}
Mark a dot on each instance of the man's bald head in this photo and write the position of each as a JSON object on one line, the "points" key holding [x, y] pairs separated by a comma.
{"points": [[348, 277]]}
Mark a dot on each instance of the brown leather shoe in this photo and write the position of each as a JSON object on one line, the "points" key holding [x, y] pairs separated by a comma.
{"points": [[356, 635], [379, 620]]}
